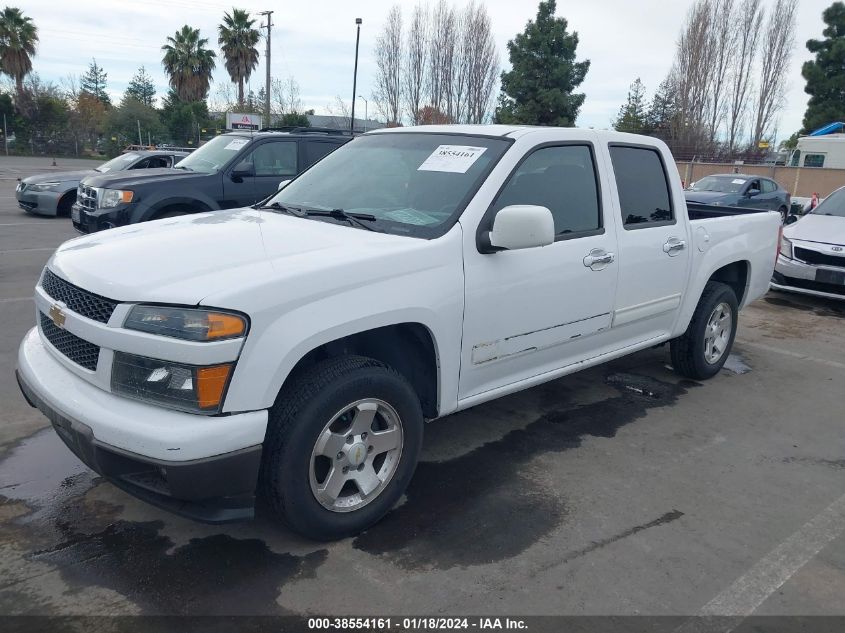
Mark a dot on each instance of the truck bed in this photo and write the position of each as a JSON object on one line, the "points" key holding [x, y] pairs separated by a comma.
{"points": [[700, 211]]}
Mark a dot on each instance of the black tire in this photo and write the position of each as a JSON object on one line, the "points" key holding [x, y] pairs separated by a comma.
{"points": [[298, 417], [65, 203], [687, 351], [783, 213], [172, 213]]}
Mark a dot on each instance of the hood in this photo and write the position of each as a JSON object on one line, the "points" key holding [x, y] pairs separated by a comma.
{"points": [[135, 177], [707, 197], [826, 229], [185, 259], [58, 176]]}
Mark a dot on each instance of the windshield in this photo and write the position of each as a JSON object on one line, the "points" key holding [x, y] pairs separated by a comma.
{"points": [[213, 155], [412, 183], [721, 184], [834, 205], [117, 164]]}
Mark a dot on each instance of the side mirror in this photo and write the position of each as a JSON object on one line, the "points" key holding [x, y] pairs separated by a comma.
{"points": [[752, 192], [519, 226], [790, 219], [243, 169], [282, 185]]}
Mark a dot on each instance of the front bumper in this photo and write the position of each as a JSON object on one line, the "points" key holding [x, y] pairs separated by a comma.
{"points": [[87, 221], [168, 458], [793, 275], [39, 202]]}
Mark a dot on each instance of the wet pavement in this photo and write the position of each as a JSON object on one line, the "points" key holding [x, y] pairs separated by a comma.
{"points": [[620, 490]]}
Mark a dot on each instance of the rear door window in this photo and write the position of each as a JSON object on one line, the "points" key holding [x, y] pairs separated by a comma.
{"points": [[275, 158], [769, 186], [644, 194], [315, 150]]}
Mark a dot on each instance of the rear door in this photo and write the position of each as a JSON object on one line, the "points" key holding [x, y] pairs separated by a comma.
{"points": [[535, 310], [654, 252]]}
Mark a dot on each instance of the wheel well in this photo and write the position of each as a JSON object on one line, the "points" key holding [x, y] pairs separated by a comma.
{"points": [[65, 202], [734, 275], [406, 347], [185, 207]]}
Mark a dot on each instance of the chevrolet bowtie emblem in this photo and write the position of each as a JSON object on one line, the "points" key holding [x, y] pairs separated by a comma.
{"points": [[57, 316]]}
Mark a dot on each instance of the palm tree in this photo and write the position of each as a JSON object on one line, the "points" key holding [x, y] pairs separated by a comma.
{"points": [[18, 37], [237, 39], [189, 64]]}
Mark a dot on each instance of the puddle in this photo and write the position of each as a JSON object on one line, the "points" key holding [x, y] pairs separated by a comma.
{"points": [[215, 575], [484, 506], [736, 365], [42, 472]]}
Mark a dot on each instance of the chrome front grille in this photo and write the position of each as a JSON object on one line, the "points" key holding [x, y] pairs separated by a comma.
{"points": [[86, 197], [76, 299], [79, 351]]}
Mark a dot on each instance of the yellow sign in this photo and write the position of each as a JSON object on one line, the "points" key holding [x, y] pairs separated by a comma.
{"points": [[763, 145]]}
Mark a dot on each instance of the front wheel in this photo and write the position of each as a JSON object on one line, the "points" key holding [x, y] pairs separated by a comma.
{"points": [[700, 352], [342, 444]]}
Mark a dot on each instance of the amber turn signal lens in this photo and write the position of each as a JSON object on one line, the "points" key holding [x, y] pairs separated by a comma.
{"points": [[211, 382], [224, 325]]}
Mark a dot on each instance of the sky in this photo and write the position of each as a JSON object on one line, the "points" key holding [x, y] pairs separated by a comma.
{"points": [[315, 43]]}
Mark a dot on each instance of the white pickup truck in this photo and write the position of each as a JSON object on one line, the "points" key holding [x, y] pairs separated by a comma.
{"points": [[293, 350]]}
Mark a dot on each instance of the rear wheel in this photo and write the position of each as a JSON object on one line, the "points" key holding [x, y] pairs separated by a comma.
{"points": [[65, 203], [701, 351], [342, 444], [783, 213]]}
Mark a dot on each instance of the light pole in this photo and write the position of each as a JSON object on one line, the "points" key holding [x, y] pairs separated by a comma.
{"points": [[366, 107], [355, 76]]}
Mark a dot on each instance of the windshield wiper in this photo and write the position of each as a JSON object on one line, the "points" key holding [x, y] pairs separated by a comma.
{"points": [[278, 206], [339, 214]]}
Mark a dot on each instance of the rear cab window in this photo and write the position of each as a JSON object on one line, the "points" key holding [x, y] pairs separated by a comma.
{"points": [[645, 197]]}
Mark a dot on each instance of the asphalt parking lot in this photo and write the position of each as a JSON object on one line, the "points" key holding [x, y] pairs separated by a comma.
{"points": [[619, 490]]}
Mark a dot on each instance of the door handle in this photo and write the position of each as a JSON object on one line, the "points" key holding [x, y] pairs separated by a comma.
{"points": [[673, 246], [597, 259]]}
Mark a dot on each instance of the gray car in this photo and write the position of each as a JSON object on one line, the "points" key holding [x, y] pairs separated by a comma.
{"points": [[54, 193], [740, 190]]}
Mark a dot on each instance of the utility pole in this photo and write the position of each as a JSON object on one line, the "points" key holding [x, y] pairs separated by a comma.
{"points": [[268, 26], [5, 135], [140, 138], [355, 77]]}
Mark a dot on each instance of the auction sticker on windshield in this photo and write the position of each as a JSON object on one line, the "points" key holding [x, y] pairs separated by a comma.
{"points": [[454, 158], [236, 144], [738, 181]]}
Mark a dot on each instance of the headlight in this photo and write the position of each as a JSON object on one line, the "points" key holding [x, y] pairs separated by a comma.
{"points": [[184, 387], [43, 186], [112, 197], [186, 323], [785, 247]]}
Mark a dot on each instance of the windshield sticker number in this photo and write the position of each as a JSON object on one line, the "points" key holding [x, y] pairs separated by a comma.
{"points": [[452, 158], [235, 144], [738, 181]]}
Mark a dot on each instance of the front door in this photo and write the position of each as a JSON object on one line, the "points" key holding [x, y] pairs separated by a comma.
{"points": [[535, 310], [654, 249]]}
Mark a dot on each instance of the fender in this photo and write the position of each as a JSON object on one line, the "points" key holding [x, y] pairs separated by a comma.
{"points": [[154, 205]]}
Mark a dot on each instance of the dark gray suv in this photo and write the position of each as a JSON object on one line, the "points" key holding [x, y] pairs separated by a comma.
{"points": [[740, 190], [231, 170]]}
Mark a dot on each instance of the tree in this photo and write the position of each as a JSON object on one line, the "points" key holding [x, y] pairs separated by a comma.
{"points": [[124, 121], [93, 82], [662, 111], [825, 75], [285, 98], [18, 39], [746, 38], [633, 115], [776, 50], [184, 120], [480, 65], [238, 39], [189, 64], [141, 88], [297, 119], [388, 53], [88, 118], [416, 57], [538, 90]]}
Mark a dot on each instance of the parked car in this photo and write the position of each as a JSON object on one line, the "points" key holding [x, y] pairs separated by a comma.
{"points": [[230, 170], [740, 190], [294, 349], [54, 193], [812, 251]]}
